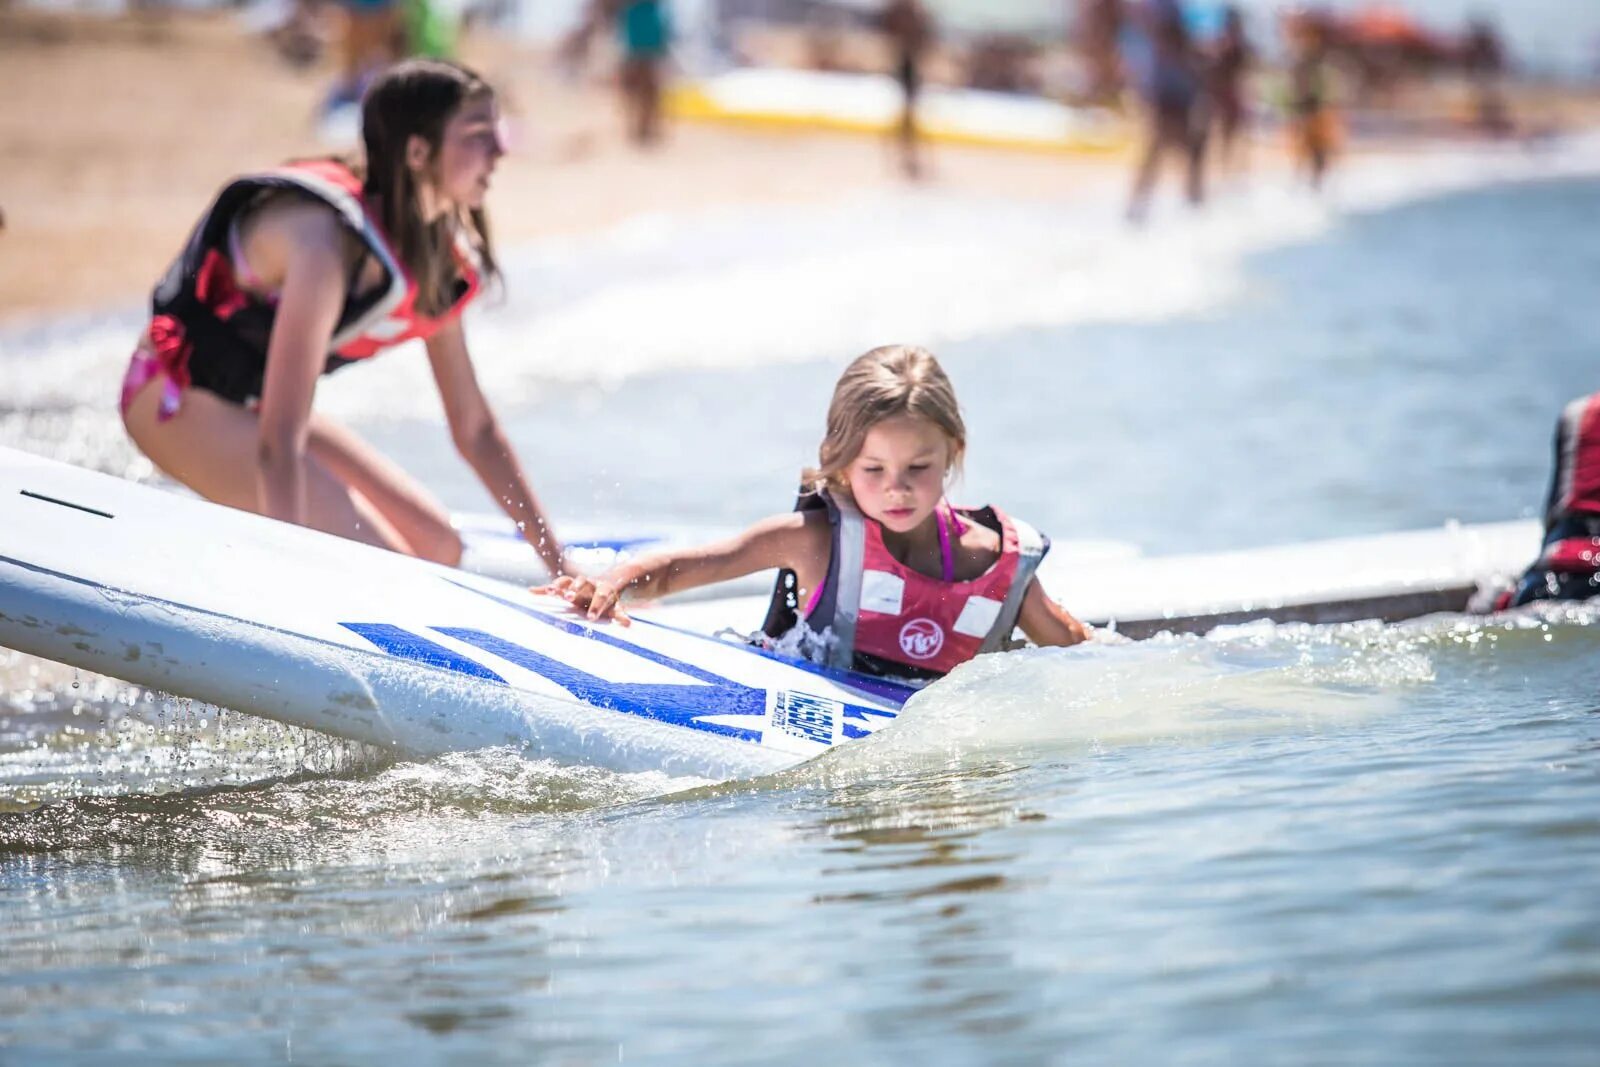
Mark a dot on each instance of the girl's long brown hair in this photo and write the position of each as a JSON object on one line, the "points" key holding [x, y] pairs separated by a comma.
{"points": [[417, 97]]}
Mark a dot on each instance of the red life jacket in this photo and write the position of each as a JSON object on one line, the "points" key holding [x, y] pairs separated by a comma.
{"points": [[1572, 515], [211, 333], [1572, 555], [886, 618]]}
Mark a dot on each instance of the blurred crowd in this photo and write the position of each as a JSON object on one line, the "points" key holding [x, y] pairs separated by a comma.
{"points": [[1191, 81]]}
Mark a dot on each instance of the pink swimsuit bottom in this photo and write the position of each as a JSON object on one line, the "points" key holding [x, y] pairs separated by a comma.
{"points": [[146, 365]]}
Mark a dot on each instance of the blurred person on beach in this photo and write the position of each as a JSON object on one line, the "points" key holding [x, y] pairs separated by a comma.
{"points": [[1229, 60], [825, 40], [1483, 61], [911, 32], [1004, 63], [296, 272], [373, 38], [879, 573], [644, 38], [1100, 25], [1313, 124], [431, 28], [297, 33], [1171, 84], [1568, 567]]}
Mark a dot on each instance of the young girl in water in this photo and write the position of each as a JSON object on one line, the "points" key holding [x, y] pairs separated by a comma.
{"points": [[296, 272], [873, 559]]}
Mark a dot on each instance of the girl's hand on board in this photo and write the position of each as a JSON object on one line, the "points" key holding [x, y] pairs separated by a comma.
{"points": [[597, 598]]}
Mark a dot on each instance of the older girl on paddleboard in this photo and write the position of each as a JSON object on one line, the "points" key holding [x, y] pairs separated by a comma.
{"points": [[879, 573], [298, 271]]}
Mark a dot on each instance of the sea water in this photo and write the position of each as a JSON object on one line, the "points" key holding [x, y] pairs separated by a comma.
{"points": [[1352, 844]]}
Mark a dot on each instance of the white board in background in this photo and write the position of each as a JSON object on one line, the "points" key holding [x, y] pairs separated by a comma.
{"points": [[1380, 576], [777, 99]]}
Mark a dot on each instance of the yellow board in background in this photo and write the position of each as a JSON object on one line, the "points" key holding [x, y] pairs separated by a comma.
{"points": [[807, 101]]}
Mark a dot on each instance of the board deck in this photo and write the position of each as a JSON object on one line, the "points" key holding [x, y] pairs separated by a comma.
{"points": [[264, 617]]}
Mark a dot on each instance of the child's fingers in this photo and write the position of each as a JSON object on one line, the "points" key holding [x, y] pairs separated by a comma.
{"points": [[605, 601], [555, 587]]}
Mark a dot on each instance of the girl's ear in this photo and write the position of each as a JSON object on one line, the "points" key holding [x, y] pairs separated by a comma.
{"points": [[418, 153]]}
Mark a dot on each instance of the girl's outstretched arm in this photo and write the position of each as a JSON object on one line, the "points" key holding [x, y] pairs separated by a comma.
{"points": [[1048, 623], [483, 444], [794, 540]]}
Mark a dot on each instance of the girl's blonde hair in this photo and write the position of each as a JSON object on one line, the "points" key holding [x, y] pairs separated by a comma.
{"points": [[881, 384]]}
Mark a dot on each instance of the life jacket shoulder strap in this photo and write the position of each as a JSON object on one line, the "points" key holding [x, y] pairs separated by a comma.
{"points": [[845, 572], [1032, 545], [334, 185]]}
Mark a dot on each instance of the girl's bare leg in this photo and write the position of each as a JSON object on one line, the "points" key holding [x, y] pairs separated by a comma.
{"points": [[409, 508], [211, 446], [1144, 178]]}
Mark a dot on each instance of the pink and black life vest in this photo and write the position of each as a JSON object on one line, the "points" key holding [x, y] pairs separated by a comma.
{"points": [[886, 618], [1568, 567], [209, 332], [1572, 513]]}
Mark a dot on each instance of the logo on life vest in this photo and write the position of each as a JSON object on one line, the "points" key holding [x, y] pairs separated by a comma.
{"points": [[921, 638]]}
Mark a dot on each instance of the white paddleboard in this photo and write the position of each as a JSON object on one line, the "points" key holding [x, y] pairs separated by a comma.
{"points": [[313, 630]]}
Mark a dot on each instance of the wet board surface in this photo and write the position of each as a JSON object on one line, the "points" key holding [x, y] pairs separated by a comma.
{"points": [[264, 617]]}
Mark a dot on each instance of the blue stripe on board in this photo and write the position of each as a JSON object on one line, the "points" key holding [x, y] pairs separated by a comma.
{"points": [[681, 705], [407, 645], [894, 692]]}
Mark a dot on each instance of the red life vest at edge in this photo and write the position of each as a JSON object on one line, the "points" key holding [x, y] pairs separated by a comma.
{"points": [[1572, 518], [210, 333], [887, 618]]}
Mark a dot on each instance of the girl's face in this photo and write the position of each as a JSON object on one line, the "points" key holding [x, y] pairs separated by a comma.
{"points": [[458, 174], [898, 476]]}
